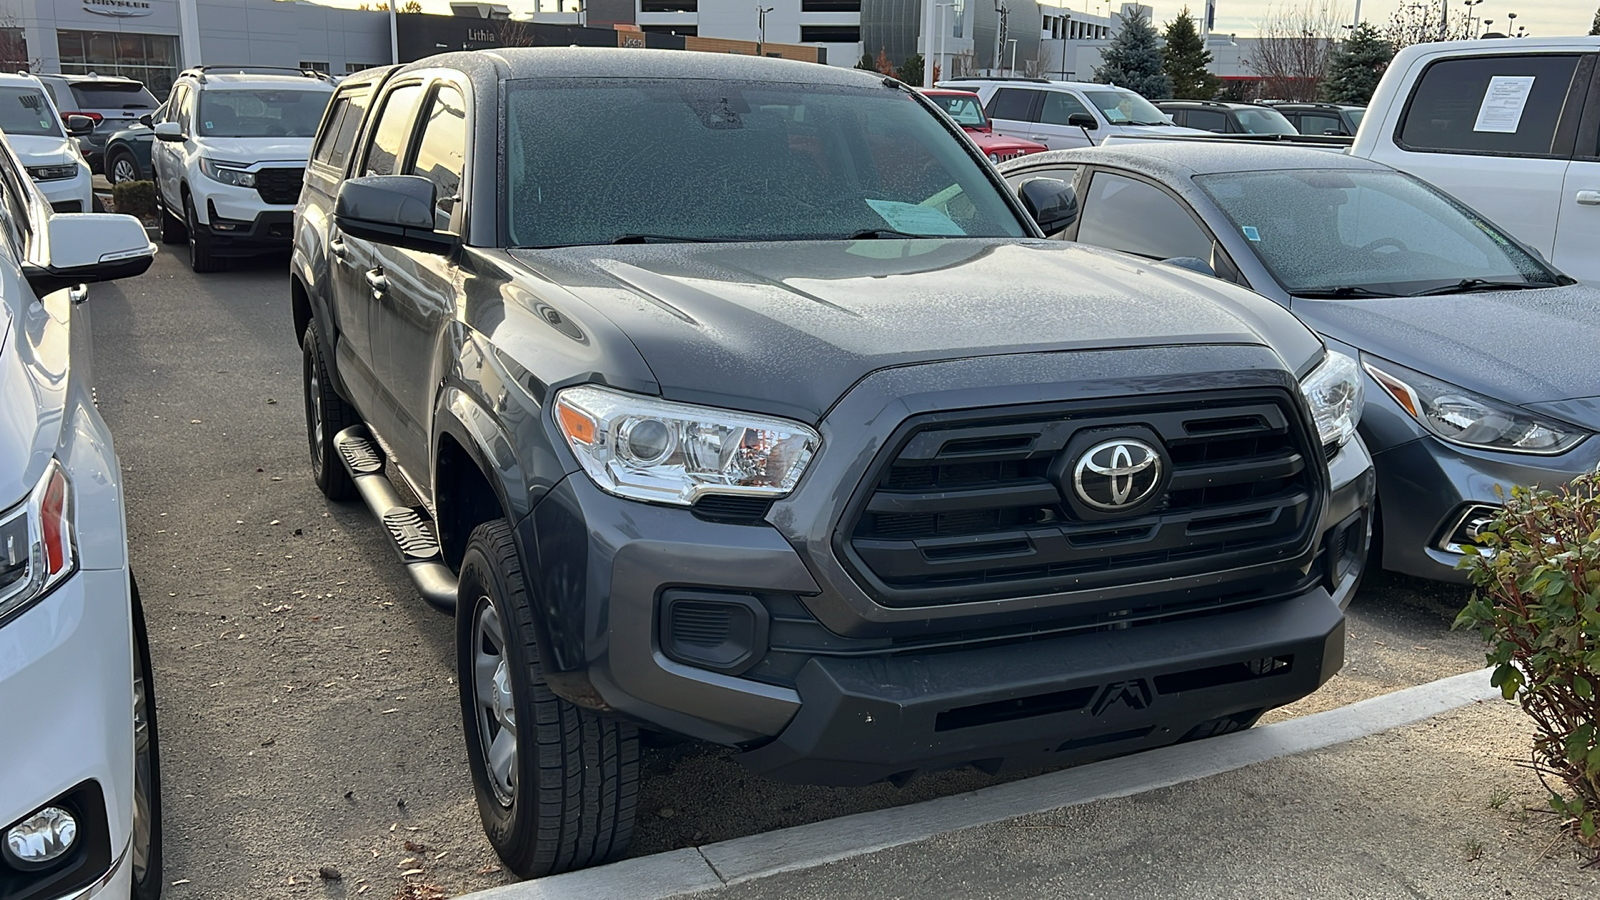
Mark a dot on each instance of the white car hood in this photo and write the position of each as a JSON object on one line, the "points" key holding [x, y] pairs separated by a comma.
{"points": [[250, 150], [41, 149], [1157, 129]]}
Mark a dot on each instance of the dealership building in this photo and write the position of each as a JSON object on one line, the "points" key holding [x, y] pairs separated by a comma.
{"points": [[152, 40]]}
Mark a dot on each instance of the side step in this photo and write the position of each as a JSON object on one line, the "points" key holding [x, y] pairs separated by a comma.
{"points": [[409, 530]]}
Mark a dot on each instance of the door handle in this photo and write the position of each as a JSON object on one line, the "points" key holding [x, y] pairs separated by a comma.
{"points": [[1589, 198], [336, 247], [378, 283], [1041, 138]]}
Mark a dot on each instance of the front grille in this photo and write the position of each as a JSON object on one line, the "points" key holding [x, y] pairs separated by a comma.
{"points": [[964, 507], [280, 186]]}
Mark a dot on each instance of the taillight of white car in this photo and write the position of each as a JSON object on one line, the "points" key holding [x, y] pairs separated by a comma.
{"points": [[37, 547]]}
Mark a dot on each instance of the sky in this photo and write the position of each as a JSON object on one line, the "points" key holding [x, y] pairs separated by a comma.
{"points": [[1546, 18]]}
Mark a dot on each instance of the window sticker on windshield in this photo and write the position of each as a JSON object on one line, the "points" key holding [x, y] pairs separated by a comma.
{"points": [[1503, 103], [913, 218], [1250, 233]]}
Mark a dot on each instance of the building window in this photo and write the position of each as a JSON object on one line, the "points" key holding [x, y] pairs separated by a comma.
{"points": [[830, 34], [817, 6], [13, 50], [679, 30], [149, 58], [350, 68], [314, 66], [669, 6]]}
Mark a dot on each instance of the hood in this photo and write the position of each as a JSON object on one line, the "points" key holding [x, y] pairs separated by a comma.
{"points": [[41, 149], [1531, 348], [988, 142], [249, 150], [1153, 129], [789, 328]]}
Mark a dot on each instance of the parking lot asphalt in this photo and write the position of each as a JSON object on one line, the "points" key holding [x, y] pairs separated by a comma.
{"points": [[308, 710]]}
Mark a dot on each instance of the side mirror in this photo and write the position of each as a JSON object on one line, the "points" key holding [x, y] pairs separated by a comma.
{"points": [[146, 121], [1192, 263], [82, 248], [168, 131], [390, 209], [1052, 203], [1083, 120], [78, 126]]}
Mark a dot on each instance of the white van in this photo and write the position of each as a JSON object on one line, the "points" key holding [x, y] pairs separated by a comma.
{"points": [[1065, 114], [1511, 128]]}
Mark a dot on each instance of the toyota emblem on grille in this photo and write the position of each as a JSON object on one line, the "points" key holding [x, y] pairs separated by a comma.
{"points": [[1117, 474]]}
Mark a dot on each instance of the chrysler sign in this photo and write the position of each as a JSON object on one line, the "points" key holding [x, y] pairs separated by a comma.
{"points": [[121, 9]]}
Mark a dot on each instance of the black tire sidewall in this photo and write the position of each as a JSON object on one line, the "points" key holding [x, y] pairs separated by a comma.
{"points": [[150, 887], [311, 360], [514, 829]]}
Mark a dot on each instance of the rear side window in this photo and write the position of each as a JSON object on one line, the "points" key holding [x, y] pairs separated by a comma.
{"points": [[1058, 106], [1489, 104], [1205, 119], [113, 95], [333, 148], [394, 127], [1011, 103], [1135, 217], [441, 154]]}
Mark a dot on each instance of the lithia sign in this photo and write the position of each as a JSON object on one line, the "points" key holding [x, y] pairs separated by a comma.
{"points": [[120, 9]]}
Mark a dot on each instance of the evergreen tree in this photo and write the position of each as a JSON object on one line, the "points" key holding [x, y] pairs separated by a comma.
{"points": [[1133, 59], [866, 63], [910, 71], [1595, 28], [1185, 59], [1356, 65]]}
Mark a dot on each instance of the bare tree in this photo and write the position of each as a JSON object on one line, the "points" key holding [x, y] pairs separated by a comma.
{"points": [[1291, 55], [963, 64], [1418, 23]]}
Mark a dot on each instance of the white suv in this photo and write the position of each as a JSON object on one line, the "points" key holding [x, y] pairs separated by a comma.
{"points": [[32, 126], [230, 152], [79, 782], [1065, 114]]}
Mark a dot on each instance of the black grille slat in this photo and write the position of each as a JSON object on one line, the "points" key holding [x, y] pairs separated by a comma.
{"points": [[280, 186], [968, 503]]}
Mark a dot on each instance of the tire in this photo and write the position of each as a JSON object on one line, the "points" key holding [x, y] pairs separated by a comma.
{"points": [[96, 204], [172, 231], [327, 414], [144, 851], [200, 258], [567, 797], [122, 167]]}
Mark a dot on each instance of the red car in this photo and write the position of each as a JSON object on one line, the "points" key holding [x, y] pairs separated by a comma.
{"points": [[967, 110]]}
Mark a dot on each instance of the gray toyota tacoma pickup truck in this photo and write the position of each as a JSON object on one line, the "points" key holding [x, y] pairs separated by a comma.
{"points": [[739, 400]]}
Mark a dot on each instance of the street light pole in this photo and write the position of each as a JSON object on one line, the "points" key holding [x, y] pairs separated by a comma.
{"points": [[1444, 20], [938, 62], [1013, 43], [761, 26]]}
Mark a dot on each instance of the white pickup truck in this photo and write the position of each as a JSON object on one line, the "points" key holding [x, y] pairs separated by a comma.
{"points": [[1512, 128]]}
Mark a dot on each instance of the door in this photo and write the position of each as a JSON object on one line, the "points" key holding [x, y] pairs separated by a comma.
{"points": [[421, 287], [1578, 223], [1120, 212], [1011, 111], [1494, 132], [1052, 129], [356, 273], [166, 157]]}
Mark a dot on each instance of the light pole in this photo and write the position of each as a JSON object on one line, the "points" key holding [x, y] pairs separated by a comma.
{"points": [[1444, 20], [1469, 4], [761, 27], [1511, 22], [938, 62], [1066, 29], [1486, 24], [1013, 43]]}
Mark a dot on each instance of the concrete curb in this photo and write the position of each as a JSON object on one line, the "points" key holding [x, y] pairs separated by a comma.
{"points": [[713, 866]]}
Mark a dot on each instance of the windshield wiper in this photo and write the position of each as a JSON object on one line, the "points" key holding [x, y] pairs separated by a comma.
{"points": [[1476, 285], [662, 239], [871, 233], [1338, 292]]}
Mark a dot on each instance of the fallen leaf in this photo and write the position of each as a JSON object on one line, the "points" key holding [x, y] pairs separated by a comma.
{"points": [[409, 872], [180, 881]]}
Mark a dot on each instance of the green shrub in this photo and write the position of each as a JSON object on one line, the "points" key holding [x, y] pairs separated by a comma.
{"points": [[1537, 605], [135, 198]]}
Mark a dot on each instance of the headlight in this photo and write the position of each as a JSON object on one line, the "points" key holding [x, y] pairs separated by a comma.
{"points": [[647, 449], [1335, 393], [53, 173], [1473, 420], [994, 157], [227, 173], [37, 547]]}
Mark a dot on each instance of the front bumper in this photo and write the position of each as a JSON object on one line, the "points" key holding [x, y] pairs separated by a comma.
{"points": [[265, 232], [75, 194], [65, 680], [1424, 486]]}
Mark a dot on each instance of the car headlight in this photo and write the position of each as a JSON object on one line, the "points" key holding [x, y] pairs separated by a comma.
{"points": [[994, 157], [37, 547], [1462, 417], [227, 173], [1335, 393], [643, 448], [54, 172]]}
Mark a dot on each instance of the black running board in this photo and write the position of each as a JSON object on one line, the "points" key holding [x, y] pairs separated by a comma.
{"points": [[410, 531]]}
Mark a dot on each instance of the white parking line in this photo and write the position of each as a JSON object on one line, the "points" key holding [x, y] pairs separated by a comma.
{"points": [[715, 865]]}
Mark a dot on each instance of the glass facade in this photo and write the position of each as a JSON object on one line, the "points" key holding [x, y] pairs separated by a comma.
{"points": [[150, 58]]}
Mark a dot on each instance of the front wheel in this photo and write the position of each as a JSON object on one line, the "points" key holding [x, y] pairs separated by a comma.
{"points": [[144, 848], [557, 785], [123, 168], [201, 258], [327, 414], [171, 225]]}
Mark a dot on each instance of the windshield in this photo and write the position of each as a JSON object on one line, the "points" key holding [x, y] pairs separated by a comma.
{"points": [[1263, 121], [261, 113], [1377, 231], [595, 161], [25, 111], [1355, 116], [965, 110], [1126, 108]]}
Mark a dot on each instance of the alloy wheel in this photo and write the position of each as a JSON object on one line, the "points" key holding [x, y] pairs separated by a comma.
{"points": [[491, 685], [124, 170]]}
